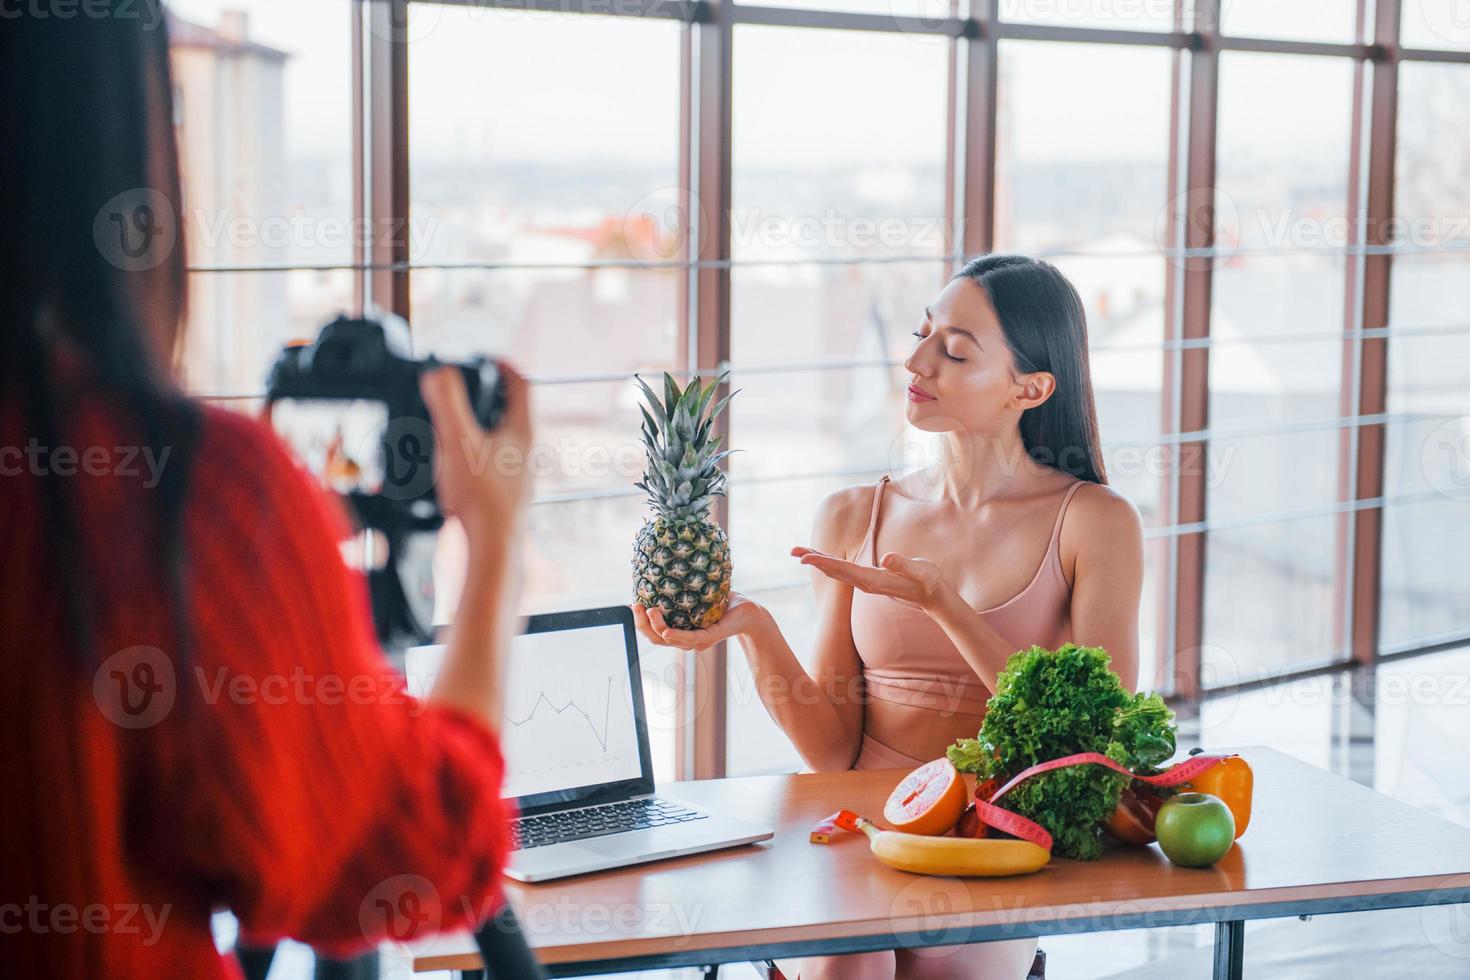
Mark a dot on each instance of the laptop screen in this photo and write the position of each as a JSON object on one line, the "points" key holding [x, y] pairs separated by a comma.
{"points": [[574, 727]]}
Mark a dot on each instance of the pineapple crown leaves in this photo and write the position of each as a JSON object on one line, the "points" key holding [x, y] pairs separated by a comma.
{"points": [[683, 473]]}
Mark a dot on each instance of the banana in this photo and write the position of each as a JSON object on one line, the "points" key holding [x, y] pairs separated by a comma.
{"points": [[964, 856]]}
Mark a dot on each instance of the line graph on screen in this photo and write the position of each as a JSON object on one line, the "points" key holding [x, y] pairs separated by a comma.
{"points": [[571, 705]]}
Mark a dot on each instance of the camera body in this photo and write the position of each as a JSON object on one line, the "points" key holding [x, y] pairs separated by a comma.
{"points": [[349, 405]]}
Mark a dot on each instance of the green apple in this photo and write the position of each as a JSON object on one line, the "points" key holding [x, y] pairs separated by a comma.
{"points": [[1195, 829]]}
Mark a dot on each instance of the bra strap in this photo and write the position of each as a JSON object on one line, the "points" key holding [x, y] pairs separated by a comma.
{"points": [[870, 542], [1056, 531]]}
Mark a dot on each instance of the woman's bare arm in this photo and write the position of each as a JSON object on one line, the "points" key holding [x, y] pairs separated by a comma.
{"points": [[821, 711], [1108, 581], [490, 502], [918, 582]]}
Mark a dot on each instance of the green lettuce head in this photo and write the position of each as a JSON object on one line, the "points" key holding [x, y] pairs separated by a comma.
{"points": [[1052, 704]]}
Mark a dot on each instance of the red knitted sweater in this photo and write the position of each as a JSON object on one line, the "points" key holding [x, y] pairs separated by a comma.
{"points": [[280, 770]]}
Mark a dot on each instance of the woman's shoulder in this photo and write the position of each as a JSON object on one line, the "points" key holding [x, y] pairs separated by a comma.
{"points": [[208, 445], [1098, 503], [842, 517], [1099, 517], [228, 429], [234, 449]]}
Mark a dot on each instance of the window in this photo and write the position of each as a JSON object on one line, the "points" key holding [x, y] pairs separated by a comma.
{"points": [[544, 172], [264, 129], [1300, 20], [1082, 179], [1120, 15], [1276, 359], [547, 158], [1435, 24], [838, 235], [547, 144], [541, 235], [1424, 581]]}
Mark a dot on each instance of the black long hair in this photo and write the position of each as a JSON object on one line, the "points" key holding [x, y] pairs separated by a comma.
{"points": [[92, 254], [1045, 328]]}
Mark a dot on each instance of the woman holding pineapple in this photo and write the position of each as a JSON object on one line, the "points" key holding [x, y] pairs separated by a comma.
{"points": [[976, 560]]}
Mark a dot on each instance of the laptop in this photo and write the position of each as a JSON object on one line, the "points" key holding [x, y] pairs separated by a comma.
{"points": [[575, 741]]}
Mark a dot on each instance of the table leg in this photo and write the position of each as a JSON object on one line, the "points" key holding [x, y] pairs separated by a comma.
{"points": [[471, 975], [1229, 950]]}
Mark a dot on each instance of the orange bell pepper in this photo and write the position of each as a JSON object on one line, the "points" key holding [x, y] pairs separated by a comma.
{"points": [[1232, 781]]}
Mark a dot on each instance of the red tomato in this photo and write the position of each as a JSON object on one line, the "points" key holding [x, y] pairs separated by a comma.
{"points": [[1133, 821], [969, 824]]}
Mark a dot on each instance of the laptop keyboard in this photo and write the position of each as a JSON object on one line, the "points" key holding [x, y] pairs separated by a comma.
{"points": [[597, 821]]}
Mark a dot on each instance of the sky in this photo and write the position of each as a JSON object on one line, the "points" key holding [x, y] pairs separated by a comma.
{"points": [[316, 35]]}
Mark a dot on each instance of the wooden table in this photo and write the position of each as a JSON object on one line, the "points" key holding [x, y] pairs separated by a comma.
{"points": [[1317, 844]]}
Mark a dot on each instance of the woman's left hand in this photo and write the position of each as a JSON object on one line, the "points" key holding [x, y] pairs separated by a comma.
{"points": [[913, 580]]}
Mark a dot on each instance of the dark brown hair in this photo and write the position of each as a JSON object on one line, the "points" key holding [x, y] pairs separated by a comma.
{"points": [[1045, 328], [93, 254]]}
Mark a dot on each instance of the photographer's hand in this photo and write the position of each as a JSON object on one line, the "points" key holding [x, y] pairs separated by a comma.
{"points": [[484, 480], [483, 477]]}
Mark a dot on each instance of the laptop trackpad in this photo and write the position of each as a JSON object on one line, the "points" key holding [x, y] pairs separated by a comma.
{"points": [[643, 842]]}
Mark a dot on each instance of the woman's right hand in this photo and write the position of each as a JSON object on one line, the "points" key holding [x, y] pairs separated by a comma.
{"points": [[484, 480], [484, 476], [741, 616]]}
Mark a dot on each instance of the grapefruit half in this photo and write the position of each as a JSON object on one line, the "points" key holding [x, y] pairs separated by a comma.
{"points": [[928, 800]]}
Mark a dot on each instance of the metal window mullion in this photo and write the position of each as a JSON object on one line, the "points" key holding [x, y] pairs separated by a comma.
{"points": [[1167, 347], [1350, 382], [954, 130], [702, 712], [845, 20], [687, 343], [1264, 45], [1371, 354], [358, 84], [1166, 609], [1192, 379], [1229, 523], [683, 10], [1432, 643], [388, 153], [830, 260], [1005, 30], [694, 11], [1162, 439], [976, 65], [1436, 55]]}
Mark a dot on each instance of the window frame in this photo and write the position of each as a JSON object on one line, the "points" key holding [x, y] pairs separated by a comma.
{"points": [[380, 58]]}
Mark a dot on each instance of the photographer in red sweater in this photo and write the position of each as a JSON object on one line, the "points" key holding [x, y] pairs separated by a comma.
{"points": [[194, 713]]}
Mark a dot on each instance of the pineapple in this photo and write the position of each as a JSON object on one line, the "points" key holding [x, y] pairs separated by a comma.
{"points": [[681, 559]]}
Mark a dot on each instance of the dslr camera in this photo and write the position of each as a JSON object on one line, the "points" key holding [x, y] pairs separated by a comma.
{"points": [[349, 406]]}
